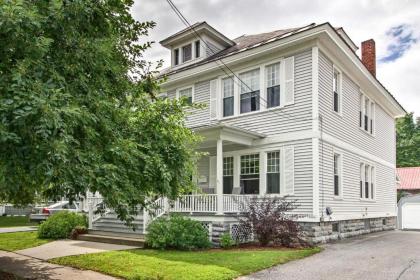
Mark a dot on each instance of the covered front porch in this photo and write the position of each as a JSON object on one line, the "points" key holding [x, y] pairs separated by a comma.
{"points": [[226, 179]]}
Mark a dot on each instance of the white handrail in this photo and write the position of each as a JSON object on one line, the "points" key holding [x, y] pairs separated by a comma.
{"points": [[195, 203]]}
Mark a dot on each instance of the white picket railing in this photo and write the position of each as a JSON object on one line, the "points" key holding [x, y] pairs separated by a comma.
{"points": [[236, 203], [195, 203]]}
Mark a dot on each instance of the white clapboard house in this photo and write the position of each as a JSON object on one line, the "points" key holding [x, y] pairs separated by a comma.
{"points": [[294, 113]]}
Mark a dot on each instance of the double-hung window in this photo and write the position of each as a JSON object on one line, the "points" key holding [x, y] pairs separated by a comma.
{"points": [[227, 175], [197, 49], [361, 179], [366, 120], [187, 93], [250, 174], [250, 91], [273, 85], [367, 169], [186, 53], [228, 97], [372, 180], [336, 90], [337, 174], [176, 56], [273, 172]]}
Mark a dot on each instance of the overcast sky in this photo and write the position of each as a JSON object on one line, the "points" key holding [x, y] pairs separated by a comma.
{"points": [[394, 25]]}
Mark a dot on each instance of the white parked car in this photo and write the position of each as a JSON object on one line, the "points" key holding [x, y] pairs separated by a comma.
{"points": [[45, 212]]}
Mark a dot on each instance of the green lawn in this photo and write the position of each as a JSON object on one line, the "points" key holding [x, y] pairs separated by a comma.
{"points": [[15, 221], [20, 240], [168, 265]]}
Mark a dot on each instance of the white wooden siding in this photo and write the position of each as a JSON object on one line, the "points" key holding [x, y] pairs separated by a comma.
{"points": [[350, 205], [346, 127]]}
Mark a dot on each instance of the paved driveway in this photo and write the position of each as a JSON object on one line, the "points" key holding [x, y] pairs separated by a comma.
{"points": [[377, 256]]}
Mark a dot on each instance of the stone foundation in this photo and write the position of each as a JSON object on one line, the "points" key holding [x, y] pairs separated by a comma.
{"points": [[328, 231], [322, 232]]}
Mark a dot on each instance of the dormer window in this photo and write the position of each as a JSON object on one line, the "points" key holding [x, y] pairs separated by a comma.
{"points": [[197, 49], [186, 53], [176, 56]]}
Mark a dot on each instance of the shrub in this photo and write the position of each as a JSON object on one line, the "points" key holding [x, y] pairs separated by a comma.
{"points": [[78, 230], [177, 232], [226, 241], [60, 225], [269, 220]]}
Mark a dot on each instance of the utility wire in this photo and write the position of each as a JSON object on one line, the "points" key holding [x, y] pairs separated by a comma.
{"points": [[189, 26], [290, 117]]}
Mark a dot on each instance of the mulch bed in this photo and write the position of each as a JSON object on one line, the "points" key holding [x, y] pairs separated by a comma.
{"points": [[8, 276]]}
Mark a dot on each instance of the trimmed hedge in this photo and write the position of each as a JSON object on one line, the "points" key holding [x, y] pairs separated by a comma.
{"points": [[177, 232], [60, 225]]}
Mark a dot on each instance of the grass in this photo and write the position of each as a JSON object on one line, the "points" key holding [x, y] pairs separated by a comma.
{"points": [[168, 265], [20, 240], [15, 221]]}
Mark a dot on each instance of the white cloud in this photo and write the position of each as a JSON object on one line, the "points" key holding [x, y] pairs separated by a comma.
{"points": [[362, 19]]}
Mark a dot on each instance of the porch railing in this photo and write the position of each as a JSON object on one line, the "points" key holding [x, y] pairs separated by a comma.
{"points": [[195, 203]]}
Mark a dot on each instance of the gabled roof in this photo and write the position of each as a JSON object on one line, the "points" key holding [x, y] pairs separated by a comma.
{"points": [[408, 178], [248, 42], [242, 43], [197, 27]]}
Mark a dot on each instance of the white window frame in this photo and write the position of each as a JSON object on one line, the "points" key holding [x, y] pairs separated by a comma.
{"points": [[178, 92], [222, 96], [263, 168], [339, 92], [265, 92], [372, 178], [280, 171], [371, 113], [340, 174], [263, 88], [182, 52]]}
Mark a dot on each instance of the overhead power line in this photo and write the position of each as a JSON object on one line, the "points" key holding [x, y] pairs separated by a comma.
{"points": [[223, 65]]}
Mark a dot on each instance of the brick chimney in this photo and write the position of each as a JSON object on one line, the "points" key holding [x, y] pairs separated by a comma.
{"points": [[369, 56]]}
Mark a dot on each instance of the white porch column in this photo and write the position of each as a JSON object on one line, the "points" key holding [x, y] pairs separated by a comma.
{"points": [[219, 176], [263, 171]]}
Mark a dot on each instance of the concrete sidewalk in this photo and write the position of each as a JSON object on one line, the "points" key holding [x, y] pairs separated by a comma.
{"points": [[17, 229], [31, 268], [62, 248]]}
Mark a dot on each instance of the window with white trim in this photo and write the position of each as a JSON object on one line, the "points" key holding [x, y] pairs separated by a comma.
{"points": [[250, 174], [186, 53], [176, 56], [227, 175], [197, 48], [337, 91], [273, 172], [273, 85], [187, 93], [367, 179], [337, 174], [250, 91], [367, 114], [228, 96]]}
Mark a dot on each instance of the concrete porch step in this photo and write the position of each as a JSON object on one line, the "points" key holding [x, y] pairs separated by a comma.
{"points": [[120, 240], [135, 235]]}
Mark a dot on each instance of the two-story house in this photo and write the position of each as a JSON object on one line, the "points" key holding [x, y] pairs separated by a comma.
{"points": [[292, 113]]}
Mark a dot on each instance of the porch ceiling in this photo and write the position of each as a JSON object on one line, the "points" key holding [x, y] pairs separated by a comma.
{"points": [[228, 133]]}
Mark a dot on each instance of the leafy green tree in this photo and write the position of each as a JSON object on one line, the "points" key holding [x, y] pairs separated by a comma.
{"points": [[408, 142], [77, 110]]}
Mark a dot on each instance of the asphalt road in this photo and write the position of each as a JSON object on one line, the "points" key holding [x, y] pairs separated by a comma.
{"points": [[377, 256]]}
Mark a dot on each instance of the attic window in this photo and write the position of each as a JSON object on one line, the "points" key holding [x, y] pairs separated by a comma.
{"points": [[186, 53], [176, 56], [197, 49]]}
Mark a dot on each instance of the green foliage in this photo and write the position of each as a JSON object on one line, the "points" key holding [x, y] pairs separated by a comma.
{"points": [[60, 225], [15, 221], [226, 241], [20, 240], [181, 265], [408, 141], [177, 232], [77, 108]]}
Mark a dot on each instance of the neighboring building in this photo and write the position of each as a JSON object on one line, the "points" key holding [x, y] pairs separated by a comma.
{"points": [[300, 116], [408, 180]]}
